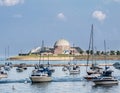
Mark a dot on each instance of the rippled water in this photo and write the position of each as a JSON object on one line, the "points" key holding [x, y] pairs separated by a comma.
{"points": [[19, 82]]}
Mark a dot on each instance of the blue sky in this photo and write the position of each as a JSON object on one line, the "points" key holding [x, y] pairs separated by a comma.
{"points": [[25, 23]]}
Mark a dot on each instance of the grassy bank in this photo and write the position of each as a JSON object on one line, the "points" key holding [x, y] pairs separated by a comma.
{"points": [[61, 57]]}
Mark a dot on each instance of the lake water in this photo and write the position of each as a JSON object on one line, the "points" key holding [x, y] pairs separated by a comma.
{"points": [[62, 81]]}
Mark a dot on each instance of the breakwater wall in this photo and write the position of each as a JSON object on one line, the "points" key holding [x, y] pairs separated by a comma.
{"points": [[56, 65]]}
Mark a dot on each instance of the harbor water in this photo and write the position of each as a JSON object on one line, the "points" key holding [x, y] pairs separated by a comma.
{"points": [[63, 82]]}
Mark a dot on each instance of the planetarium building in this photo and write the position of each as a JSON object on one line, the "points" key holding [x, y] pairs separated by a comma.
{"points": [[62, 46]]}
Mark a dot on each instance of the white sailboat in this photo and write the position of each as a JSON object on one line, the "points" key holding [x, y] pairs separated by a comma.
{"points": [[74, 68], [106, 77], [3, 74], [49, 66], [41, 74], [94, 71]]}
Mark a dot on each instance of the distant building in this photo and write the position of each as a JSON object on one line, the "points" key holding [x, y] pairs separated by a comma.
{"points": [[61, 46]]}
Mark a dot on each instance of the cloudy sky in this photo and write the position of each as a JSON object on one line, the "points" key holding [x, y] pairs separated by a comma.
{"points": [[25, 23]]}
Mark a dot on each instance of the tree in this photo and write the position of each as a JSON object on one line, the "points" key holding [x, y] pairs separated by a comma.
{"points": [[117, 52], [112, 52], [97, 52], [87, 51]]}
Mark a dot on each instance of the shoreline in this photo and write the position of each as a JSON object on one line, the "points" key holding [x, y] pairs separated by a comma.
{"points": [[61, 58]]}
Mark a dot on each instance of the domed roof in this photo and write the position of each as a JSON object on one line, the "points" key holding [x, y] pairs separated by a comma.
{"points": [[62, 42]]}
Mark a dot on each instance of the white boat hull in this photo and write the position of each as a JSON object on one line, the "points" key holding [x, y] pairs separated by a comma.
{"points": [[3, 76], [38, 79], [74, 71]]}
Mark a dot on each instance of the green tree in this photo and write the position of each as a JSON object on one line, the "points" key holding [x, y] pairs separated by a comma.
{"points": [[97, 52], [112, 52], [117, 52]]}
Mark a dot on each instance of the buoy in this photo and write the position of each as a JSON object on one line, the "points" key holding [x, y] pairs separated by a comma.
{"points": [[13, 88], [84, 85]]}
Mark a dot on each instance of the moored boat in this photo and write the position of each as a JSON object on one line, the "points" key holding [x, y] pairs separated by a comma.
{"points": [[94, 70], [19, 69], [91, 76], [41, 74], [116, 65], [74, 69], [3, 74], [106, 79]]}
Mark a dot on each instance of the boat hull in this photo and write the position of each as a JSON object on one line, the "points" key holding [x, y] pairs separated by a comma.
{"points": [[74, 71], [105, 82], [39, 79], [3, 76], [92, 76]]}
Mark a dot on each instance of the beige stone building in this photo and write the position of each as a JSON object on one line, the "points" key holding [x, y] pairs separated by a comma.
{"points": [[61, 46]]}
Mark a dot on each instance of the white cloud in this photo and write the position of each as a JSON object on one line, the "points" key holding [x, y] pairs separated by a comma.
{"points": [[99, 15], [10, 2], [61, 16]]}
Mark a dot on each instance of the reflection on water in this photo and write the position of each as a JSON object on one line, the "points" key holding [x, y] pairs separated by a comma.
{"points": [[62, 83]]}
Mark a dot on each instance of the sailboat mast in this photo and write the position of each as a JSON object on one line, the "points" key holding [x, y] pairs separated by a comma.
{"points": [[105, 52], [92, 41], [39, 60], [89, 49]]}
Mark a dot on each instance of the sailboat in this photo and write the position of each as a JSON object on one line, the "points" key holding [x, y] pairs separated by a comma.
{"points": [[49, 66], [3, 74], [94, 70], [41, 74], [74, 68], [106, 77]]}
